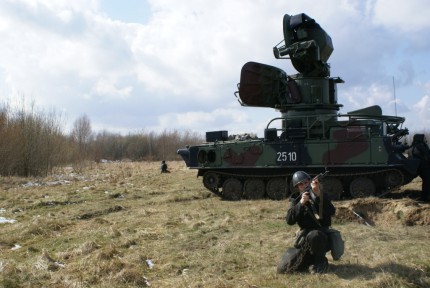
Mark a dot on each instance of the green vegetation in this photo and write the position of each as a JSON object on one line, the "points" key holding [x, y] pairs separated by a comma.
{"points": [[100, 228]]}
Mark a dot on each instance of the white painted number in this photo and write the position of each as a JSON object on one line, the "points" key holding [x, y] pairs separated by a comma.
{"points": [[286, 156]]}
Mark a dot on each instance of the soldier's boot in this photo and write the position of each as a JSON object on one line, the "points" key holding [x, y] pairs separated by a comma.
{"points": [[320, 265]]}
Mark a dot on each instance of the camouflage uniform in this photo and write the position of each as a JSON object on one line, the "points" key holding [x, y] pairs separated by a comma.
{"points": [[421, 151]]}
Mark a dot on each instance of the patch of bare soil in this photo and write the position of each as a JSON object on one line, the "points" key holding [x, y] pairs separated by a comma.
{"points": [[91, 215], [396, 208], [375, 211]]}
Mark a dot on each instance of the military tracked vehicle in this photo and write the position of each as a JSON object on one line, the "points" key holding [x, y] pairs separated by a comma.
{"points": [[362, 149]]}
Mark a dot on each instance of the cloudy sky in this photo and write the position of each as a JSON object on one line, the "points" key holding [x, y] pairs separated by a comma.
{"points": [[155, 65]]}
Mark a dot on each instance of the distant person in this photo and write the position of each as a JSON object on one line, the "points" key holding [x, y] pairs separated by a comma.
{"points": [[420, 150], [164, 167], [312, 242]]}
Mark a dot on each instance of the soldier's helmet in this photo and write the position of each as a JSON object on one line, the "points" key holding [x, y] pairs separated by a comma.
{"points": [[299, 177]]}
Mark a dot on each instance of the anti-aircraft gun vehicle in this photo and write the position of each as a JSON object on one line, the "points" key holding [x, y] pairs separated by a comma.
{"points": [[362, 149]]}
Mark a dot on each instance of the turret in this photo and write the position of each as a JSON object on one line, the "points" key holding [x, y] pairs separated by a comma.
{"points": [[308, 46], [311, 91]]}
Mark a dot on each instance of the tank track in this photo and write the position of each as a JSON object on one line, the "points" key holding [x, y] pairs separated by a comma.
{"points": [[360, 187]]}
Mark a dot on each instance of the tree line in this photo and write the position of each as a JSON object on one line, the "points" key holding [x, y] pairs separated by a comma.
{"points": [[33, 143]]}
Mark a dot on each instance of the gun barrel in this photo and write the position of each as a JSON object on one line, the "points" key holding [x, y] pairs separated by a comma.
{"points": [[321, 175]]}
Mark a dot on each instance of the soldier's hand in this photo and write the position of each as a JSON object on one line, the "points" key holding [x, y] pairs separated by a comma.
{"points": [[315, 184], [305, 198]]}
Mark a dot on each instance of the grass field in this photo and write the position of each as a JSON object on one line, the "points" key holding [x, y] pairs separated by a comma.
{"points": [[127, 225]]}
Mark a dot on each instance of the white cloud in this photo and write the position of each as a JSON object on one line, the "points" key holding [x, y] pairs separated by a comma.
{"points": [[221, 116], [404, 16], [422, 107], [361, 96], [108, 87], [180, 68]]}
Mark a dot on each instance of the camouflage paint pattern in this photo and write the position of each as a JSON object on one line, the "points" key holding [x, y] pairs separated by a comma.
{"points": [[362, 148]]}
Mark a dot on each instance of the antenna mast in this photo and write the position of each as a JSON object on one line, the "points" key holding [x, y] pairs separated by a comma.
{"points": [[395, 101]]}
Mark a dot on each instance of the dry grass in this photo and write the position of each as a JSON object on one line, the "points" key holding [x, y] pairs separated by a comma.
{"points": [[99, 228]]}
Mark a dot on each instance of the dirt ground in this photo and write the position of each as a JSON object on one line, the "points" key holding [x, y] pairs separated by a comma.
{"points": [[99, 228], [397, 207]]}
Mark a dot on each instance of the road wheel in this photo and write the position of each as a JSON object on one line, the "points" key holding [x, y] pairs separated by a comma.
{"points": [[394, 178], [232, 189], [211, 181], [253, 189], [277, 188], [361, 187], [333, 187]]}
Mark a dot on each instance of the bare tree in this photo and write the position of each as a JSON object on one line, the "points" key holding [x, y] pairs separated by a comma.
{"points": [[31, 141], [81, 134]]}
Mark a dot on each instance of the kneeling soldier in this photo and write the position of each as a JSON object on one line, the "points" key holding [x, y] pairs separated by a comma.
{"points": [[314, 219]]}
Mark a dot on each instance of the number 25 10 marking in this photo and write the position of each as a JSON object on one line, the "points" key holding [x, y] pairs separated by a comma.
{"points": [[286, 156]]}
